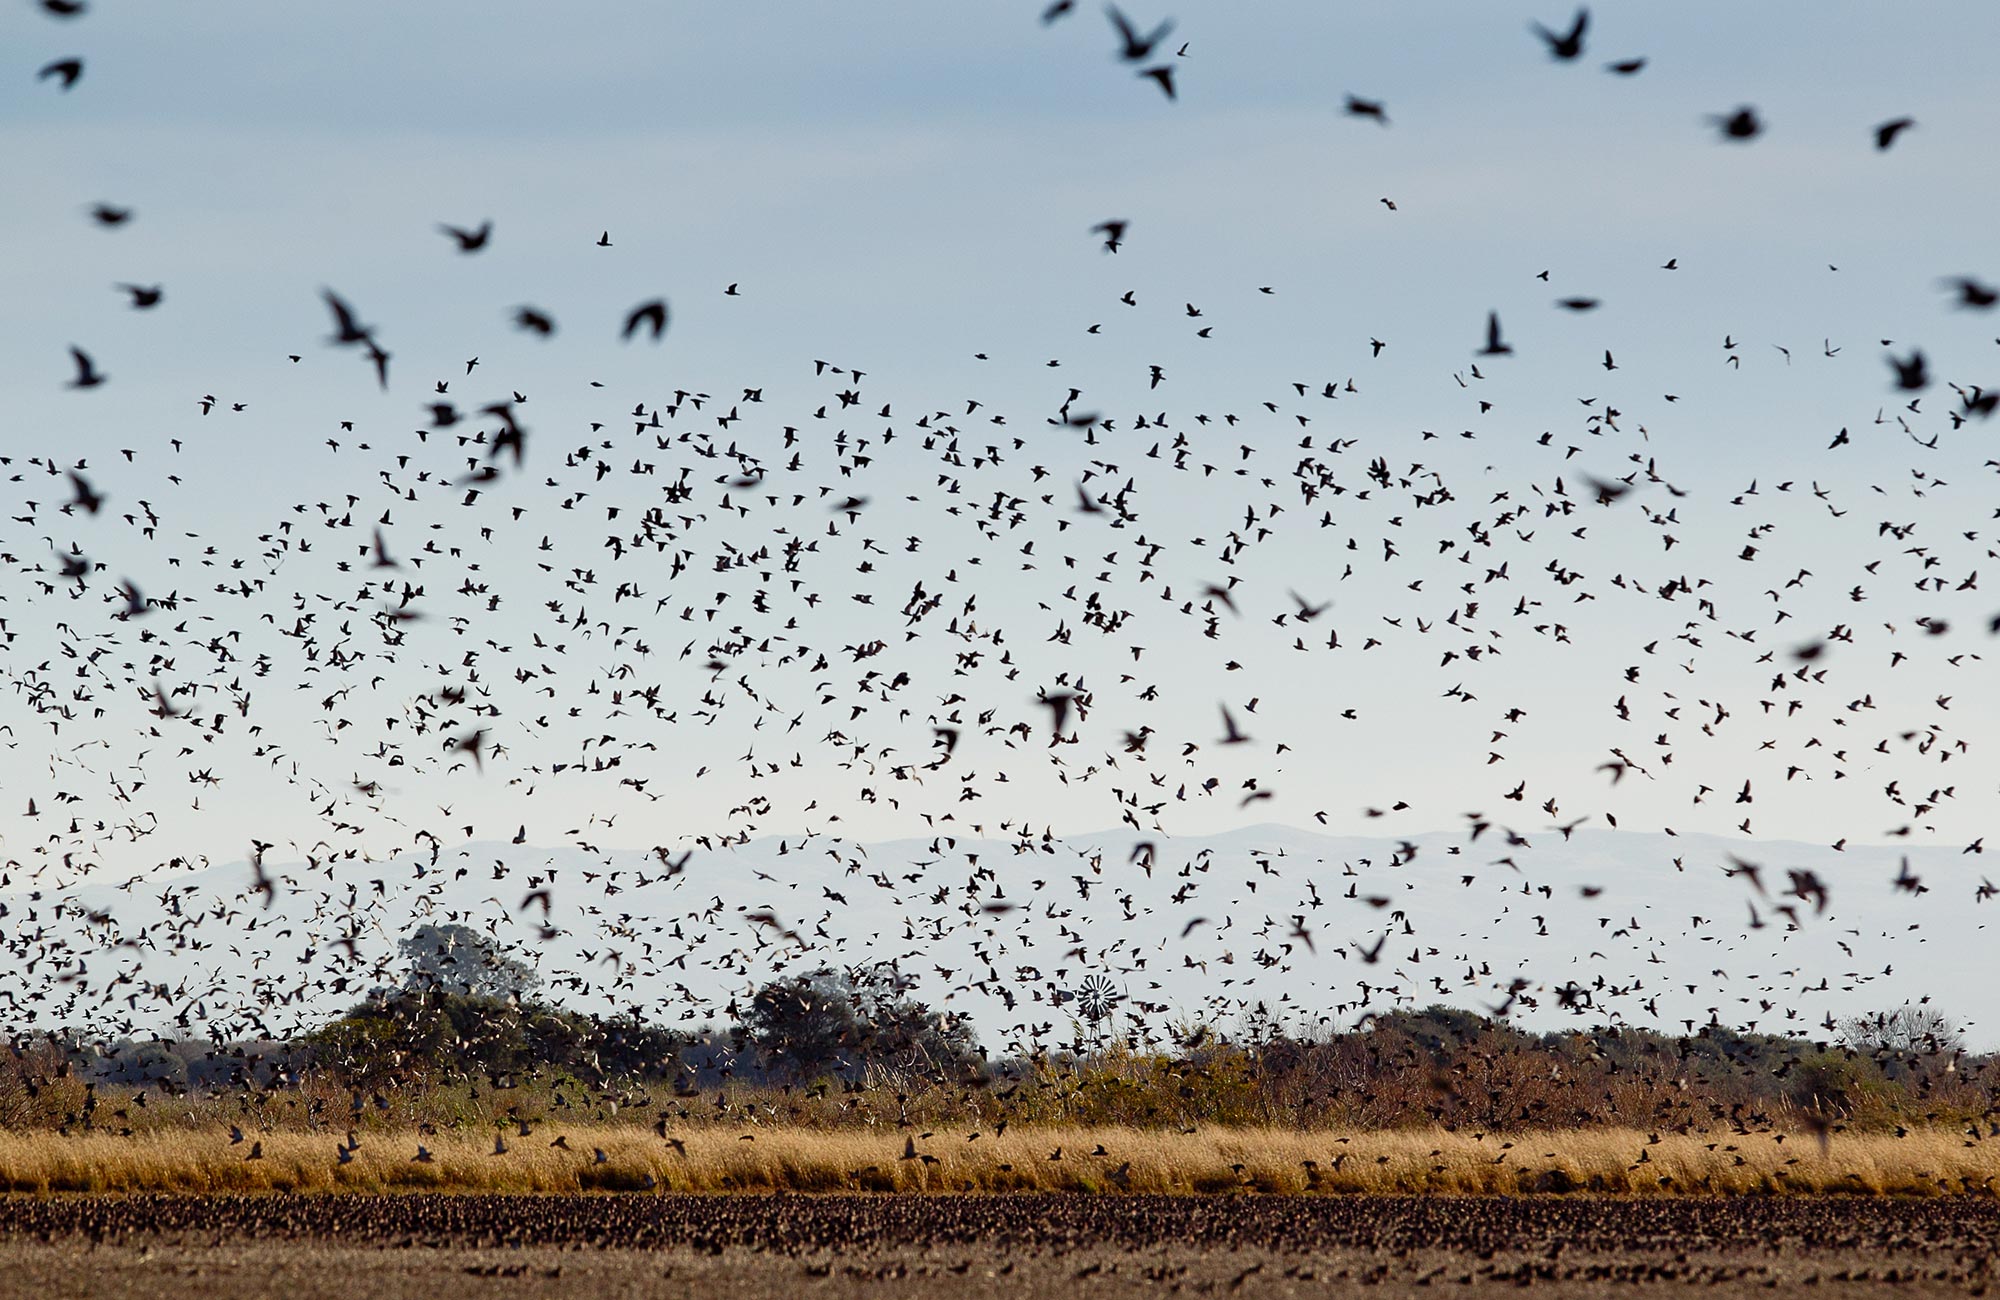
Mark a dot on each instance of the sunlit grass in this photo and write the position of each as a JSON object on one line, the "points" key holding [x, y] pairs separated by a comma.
{"points": [[1212, 1160]]}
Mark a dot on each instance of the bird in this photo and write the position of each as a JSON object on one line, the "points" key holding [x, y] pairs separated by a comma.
{"points": [[1886, 133], [469, 241], [86, 497], [347, 328], [652, 315], [143, 296], [1739, 124], [1973, 294], [1357, 107], [1495, 346], [1912, 372], [1565, 46], [1113, 232], [87, 373], [1134, 47], [533, 320], [67, 71]]}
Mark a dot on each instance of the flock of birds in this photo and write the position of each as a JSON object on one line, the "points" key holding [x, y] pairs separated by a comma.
{"points": [[919, 612]]}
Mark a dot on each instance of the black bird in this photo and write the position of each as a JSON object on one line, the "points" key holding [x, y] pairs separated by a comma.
{"points": [[1358, 107], [652, 314], [469, 241], [1911, 373], [104, 214], [1568, 45], [1743, 124], [63, 8], [534, 321], [1626, 67], [380, 360], [87, 373], [143, 296], [1113, 232], [1885, 134], [1136, 47], [347, 329], [67, 69], [1164, 74], [1057, 10], [1971, 293], [1495, 346], [86, 497]]}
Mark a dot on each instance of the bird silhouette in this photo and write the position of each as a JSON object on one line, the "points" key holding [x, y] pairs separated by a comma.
{"points": [[469, 240], [87, 373], [652, 315], [1739, 125], [1568, 45], [1133, 46], [66, 72]]}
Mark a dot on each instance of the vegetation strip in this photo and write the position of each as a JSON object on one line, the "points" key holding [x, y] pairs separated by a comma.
{"points": [[1040, 1159]]}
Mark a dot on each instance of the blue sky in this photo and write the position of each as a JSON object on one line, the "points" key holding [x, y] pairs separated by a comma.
{"points": [[897, 191]]}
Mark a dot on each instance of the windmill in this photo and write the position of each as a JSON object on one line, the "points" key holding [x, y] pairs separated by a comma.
{"points": [[1096, 997]]}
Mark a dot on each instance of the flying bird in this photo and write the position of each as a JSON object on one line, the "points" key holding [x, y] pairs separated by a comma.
{"points": [[532, 320], [1134, 47], [1357, 107], [67, 70], [1740, 125], [87, 373], [1885, 134], [652, 315], [1564, 46], [469, 241]]}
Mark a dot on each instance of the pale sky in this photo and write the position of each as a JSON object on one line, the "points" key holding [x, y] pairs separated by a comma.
{"points": [[897, 192]]}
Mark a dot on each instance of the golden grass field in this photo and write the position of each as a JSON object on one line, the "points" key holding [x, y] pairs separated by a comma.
{"points": [[1926, 1162]]}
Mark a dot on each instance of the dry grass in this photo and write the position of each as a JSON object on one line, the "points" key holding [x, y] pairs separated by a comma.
{"points": [[1928, 1162]]}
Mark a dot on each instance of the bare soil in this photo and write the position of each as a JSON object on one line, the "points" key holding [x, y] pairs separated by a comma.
{"points": [[799, 1247]]}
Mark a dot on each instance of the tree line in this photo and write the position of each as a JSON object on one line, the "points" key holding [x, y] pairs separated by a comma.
{"points": [[468, 1024]]}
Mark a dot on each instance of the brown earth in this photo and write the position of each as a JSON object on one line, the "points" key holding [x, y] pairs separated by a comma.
{"points": [[800, 1247]]}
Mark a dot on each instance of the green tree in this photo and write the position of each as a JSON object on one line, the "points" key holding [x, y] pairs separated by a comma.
{"points": [[838, 1022]]}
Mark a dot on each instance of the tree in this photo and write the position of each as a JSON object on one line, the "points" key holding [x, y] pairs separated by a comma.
{"points": [[1905, 1039], [838, 1022], [458, 961]]}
